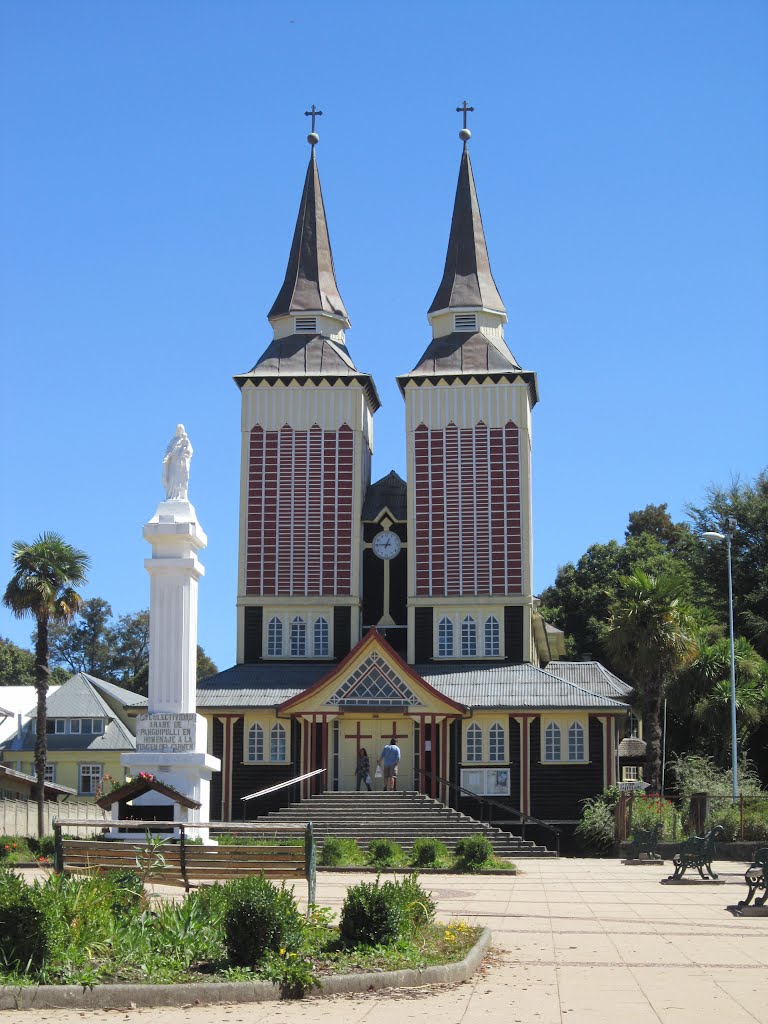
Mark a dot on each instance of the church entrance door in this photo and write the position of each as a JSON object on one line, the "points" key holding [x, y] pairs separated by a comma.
{"points": [[374, 734]]}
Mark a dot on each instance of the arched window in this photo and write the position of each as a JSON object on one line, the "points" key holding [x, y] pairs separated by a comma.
{"points": [[321, 637], [496, 751], [552, 742], [468, 637], [255, 743], [274, 637], [445, 637], [575, 742], [298, 637], [492, 648], [474, 743], [277, 743]]}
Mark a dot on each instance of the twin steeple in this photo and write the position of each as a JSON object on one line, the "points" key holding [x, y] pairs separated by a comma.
{"points": [[467, 307]]}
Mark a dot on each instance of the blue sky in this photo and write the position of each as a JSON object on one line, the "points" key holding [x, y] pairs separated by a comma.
{"points": [[152, 161]]}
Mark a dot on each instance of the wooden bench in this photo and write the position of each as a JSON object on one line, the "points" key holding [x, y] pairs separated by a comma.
{"points": [[697, 852], [645, 841], [756, 877], [178, 861]]}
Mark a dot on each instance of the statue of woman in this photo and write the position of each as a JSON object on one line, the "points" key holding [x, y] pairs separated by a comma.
{"points": [[176, 466]]}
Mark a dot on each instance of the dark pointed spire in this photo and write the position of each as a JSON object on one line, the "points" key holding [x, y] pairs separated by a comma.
{"points": [[310, 280], [467, 278]]}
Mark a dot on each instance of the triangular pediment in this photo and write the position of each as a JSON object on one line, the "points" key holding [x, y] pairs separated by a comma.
{"points": [[374, 677]]}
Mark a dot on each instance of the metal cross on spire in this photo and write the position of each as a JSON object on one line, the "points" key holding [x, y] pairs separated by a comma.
{"points": [[465, 134], [313, 138]]}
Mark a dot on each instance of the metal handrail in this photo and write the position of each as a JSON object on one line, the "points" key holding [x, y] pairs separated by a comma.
{"points": [[282, 785], [525, 819]]}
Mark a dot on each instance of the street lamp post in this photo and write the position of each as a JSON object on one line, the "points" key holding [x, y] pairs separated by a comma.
{"points": [[730, 526]]}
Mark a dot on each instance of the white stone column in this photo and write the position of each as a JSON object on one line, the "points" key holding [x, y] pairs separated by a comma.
{"points": [[171, 739]]}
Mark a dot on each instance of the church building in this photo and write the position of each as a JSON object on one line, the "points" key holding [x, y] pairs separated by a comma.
{"points": [[367, 609]]}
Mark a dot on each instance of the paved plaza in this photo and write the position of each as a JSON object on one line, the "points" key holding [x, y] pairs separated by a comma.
{"points": [[574, 941]]}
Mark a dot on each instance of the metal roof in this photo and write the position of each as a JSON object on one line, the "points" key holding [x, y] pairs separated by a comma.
{"points": [[261, 685], [310, 278], [390, 492], [467, 278], [115, 737], [592, 675], [51, 788], [463, 353], [304, 354], [511, 686], [77, 698]]}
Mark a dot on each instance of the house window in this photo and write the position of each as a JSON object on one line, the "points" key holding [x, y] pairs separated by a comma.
{"points": [[61, 725], [85, 726], [255, 743], [298, 638], [74, 725], [492, 646], [496, 751], [89, 779], [274, 637], [468, 638], [630, 773], [445, 637], [474, 743], [97, 726], [552, 742], [277, 743], [321, 637], [633, 726], [576, 742], [50, 773]]}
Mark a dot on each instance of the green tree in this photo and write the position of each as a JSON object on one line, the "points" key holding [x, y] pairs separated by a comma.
{"points": [[205, 667], [580, 600], [43, 584], [650, 637], [86, 644], [748, 504], [17, 666], [655, 521]]}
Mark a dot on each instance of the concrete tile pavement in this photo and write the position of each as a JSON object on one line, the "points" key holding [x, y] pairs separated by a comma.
{"points": [[575, 941]]}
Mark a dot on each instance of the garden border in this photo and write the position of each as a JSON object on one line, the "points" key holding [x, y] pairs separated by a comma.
{"points": [[208, 993]]}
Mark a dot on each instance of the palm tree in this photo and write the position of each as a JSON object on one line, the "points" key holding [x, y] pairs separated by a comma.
{"points": [[712, 708], [46, 573], [650, 637]]}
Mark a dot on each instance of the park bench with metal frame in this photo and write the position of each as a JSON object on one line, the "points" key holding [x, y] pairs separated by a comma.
{"points": [[178, 861], [645, 841], [756, 877], [697, 852]]}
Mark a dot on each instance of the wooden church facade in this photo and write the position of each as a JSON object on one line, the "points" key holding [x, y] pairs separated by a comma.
{"points": [[403, 608]]}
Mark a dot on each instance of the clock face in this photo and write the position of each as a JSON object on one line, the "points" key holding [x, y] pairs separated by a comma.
{"points": [[386, 545]]}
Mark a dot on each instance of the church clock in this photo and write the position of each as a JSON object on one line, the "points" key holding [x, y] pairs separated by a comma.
{"points": [[386, 545]]}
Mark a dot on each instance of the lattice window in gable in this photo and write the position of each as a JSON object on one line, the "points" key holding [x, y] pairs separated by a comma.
{"points": [[374, 684]]}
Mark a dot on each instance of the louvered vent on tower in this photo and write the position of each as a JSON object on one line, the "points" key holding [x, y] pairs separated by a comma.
{"points": [[306, 324], [465, 322]]}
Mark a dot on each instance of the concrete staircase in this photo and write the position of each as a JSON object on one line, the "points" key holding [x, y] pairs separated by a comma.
{"points": [[402, 816]]}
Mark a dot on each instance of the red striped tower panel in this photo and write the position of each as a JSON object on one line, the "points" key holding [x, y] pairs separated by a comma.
{"points": [[299, 527], [467, 510]]}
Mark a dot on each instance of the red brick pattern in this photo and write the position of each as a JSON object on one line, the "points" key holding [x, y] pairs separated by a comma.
{"points": [[467, 510], [299, 529]]}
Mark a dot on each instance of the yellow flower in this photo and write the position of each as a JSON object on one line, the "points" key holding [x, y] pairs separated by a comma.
{"points": [[282, 952]]}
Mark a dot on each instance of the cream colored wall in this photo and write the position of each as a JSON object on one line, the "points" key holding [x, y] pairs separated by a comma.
{"points": [[67, 762], [266, 720], [564, 720], [379, 729], [485, 719]]}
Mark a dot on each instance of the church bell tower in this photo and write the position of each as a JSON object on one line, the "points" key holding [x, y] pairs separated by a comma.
{"points": [[468, 409], [307, 439]]}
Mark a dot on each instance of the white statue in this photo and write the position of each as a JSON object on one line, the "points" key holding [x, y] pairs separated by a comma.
{"points": [[176, 461]]}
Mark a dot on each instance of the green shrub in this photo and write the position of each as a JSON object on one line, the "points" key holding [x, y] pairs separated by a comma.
{"points": [[729, 816], [336, 851], [373, 914], [649, 811], [258, 917], [473, 851], [22, 925], [126, 891], [418, 906], [385, 852], [427, 852], [596, 829]]}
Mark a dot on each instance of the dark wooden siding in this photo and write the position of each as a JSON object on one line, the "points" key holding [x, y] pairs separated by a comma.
{"points": [[558, 789], [248, 778], [373, 588], [342, 632], [514, 762], [252, 634], [513, 633], [217, 748], [423, 634]]}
